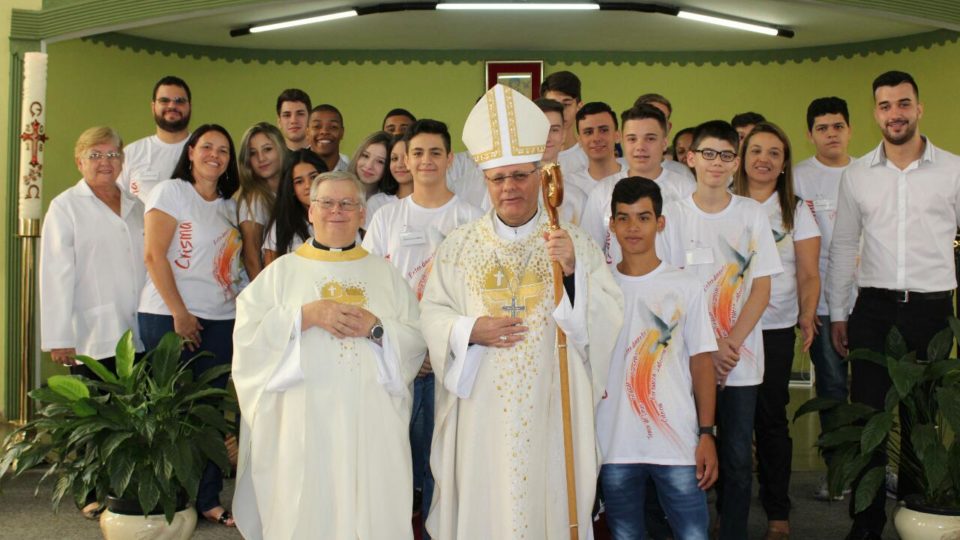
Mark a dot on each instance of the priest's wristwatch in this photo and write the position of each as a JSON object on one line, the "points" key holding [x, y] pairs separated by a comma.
{"points": [[708, 430], [376, 333]]}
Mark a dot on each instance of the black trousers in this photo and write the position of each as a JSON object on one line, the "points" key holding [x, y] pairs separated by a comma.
{"points": [[872, 318], [771, 428]]}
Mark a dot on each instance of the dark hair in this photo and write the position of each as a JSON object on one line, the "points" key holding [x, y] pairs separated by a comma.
{"points": [[426, 125], [643, 112], [171, 80], [788, 203], [326, 107], [229, 181], [673, 146], [293, 94], [895, 78], [549, 105], [746, 119], [564, 82], [596, 107], [826, 105], [717, 129], [289, 215], [632, 189], [647, 99], [398, 112], [389, 184]]}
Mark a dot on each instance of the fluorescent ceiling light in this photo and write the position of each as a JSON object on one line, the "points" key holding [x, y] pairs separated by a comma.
{"points": [[728, 23], [301, 22], [520, 7]]}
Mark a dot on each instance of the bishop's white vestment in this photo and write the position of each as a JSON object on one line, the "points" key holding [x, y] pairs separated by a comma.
{"points": [[497, 454], [324, 450]]}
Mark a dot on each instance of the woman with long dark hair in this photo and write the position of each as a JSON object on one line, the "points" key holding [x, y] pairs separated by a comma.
{"points": [[290, 226], [766, 175], [192, 254]]}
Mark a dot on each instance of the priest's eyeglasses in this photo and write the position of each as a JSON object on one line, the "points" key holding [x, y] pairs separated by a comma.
{"points": [[518, 177], [97, 156], [176, 101], [345, 205], [710, 154]]}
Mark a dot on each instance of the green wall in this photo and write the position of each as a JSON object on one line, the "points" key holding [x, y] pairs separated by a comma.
{"points": [[92, 83]]}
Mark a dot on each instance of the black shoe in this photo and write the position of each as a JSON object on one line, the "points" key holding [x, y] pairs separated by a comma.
{"points": [[417, 500], [860, 534]]}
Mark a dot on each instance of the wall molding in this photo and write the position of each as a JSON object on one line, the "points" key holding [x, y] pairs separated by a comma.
{"points": [[913, 42]]}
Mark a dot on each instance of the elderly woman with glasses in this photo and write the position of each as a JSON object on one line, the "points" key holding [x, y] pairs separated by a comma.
{"points": [[91, 262]]}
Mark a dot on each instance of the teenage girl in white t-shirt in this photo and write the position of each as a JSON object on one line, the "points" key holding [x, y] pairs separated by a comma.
{"points": [[370, 163], [289, 225], [397, 182], [765, 175], [262, 162], [192, 254]]}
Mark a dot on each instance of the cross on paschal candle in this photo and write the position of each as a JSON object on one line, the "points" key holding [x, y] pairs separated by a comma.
{"points": [[513, 308], [36, 137]]}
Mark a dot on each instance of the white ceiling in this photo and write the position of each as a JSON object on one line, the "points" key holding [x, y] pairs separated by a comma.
{"points": [[815, 24]]}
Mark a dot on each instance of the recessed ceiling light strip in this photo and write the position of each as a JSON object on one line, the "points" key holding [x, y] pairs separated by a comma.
{"points": [[446, 6]]}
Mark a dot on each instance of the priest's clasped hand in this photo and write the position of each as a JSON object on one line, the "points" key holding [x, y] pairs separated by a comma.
{"points": [[341, 320], [501, 332], [560, 249]]}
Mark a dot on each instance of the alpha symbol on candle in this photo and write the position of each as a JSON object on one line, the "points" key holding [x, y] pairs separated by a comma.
{"points": [[35, 135]]}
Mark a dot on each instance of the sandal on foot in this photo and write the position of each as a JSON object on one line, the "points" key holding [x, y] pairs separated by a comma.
{"points": [[222, 519], [93, 510]]}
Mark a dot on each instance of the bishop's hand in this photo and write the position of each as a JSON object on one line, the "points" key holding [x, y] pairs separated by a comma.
{"points": [[341, 320], [560, 249], [503, 332]]}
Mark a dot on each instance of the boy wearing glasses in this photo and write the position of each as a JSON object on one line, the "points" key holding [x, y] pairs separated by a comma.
{"points": [[407, 232], [150, 160], [726, 241]]}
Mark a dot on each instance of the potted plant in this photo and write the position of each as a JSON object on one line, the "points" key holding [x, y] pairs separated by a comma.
{"points": [[138, 439], [927, 395]]}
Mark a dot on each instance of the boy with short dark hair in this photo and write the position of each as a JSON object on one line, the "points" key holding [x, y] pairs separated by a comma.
{"points": [[324, 133], [661, 386], [293, 110], [725, 240], [598, 131], [744, 123]]}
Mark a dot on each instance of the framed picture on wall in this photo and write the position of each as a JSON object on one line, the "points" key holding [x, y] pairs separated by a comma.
{"points": [[523, 76]]}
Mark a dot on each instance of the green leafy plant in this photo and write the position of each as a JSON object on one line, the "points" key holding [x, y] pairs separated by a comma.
{"points": [[143, 434], [927, 396]]}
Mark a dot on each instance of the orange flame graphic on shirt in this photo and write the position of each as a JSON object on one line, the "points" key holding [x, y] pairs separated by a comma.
{"points": [[723, 311], [641, 387], [225, 262]]}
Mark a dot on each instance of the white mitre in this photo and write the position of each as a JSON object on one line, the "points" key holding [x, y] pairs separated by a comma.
{"points": [[505, 128]]}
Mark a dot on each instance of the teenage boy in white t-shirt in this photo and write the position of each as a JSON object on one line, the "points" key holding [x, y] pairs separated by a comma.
{"points": [[726, 241], [564, 88], [644, 135], [817, 181], [656, 418], [599, 134], [407, 233]]}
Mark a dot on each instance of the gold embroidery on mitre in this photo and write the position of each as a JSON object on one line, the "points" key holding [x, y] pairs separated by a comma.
{"points": [[515, 148], [494, 119], [353, 294], [498, 292]]}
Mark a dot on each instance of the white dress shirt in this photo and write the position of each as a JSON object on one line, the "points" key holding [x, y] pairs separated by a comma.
{"points": [[908, 219], [91, 272]]}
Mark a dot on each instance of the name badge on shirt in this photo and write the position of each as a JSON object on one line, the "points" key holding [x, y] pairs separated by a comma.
{"points": [[412, 238], [699, 255], [824, 205]]}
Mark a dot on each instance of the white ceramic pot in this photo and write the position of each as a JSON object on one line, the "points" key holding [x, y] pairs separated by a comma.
{"points": [[913, 524], [153, 527]]}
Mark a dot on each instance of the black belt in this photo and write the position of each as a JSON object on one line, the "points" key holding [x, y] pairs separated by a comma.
{"points": [[905, 297]]}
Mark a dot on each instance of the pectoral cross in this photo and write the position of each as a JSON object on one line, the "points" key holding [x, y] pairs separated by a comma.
{"points": [[36, 136], [513, 308]]}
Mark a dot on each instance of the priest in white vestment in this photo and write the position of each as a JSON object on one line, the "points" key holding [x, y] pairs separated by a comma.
{"points": [[326, 346], [490, 321]]}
